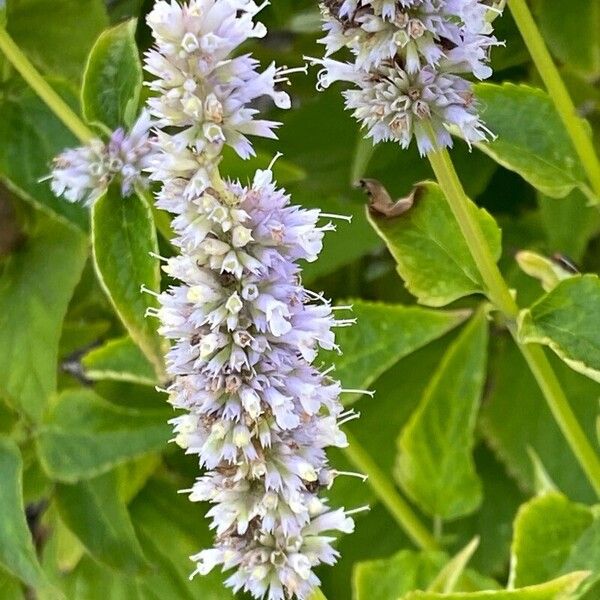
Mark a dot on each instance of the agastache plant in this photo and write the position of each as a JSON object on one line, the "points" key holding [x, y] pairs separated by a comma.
{"points": [[257, 411], [410, 59]]}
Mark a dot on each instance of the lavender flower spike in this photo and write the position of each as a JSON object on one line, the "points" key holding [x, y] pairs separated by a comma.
{"points": [[259, 415], [409, 60], [83, 174], [253, 406]]}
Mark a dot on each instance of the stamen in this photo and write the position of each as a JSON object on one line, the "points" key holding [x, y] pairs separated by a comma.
{"points": [[158, 256], [360, 509], [146, 290], [351, 391], [347, 218], [349, 418]]}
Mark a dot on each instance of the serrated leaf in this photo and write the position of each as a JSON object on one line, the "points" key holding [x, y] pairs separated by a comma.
{"points": [[17, 552], [120, 360], [531, 139], [123, 236], [435, 463], [432, 257], [545, 529], [567, 320], [112, 80], [84, 435], [94, 511], [383, 334], [573, 34], [35, 289], [507, 424], [39, 28], [557, 589], [32, 136]]}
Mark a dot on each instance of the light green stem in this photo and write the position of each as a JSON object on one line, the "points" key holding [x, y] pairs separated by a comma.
{"points": [[499, 294], [41, 87], [318, 595], [575, 126], [387, 493]]}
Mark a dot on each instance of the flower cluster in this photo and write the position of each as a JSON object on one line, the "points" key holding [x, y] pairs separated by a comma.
{"points": [[256, 410], [410, 58], [84, 173]]}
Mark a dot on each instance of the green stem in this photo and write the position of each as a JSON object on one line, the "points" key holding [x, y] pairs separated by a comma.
{"points": [[387, 493], [499, 293], [558, 91], [41, 87], [318, 595], [563, 415]]}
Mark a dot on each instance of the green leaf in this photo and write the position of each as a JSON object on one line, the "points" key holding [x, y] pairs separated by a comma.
{"points": [[112, 81], [430, 251], [119, 360], [123, 235], [557, 589], [17, 552], [545, 529], [508, 426], [435, 463], [84, 435], [32, 136], [546, 270], [531, 139], [573, 34], [492, 522], [383, 334], [57, 36], [95, 513], [585, 554], [562, 217], [161, 513], [448, 578], [2, 13], [567, 320], [35, 289], [10, 588], [390, 578]]}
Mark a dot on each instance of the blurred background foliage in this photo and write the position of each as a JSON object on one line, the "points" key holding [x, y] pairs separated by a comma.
{"points": [[84, 450]]}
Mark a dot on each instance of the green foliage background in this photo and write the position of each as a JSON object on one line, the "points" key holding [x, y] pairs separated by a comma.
{"points": [[88, 496]]}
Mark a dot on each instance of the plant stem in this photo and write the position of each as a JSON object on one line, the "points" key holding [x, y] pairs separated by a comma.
{"points": [[564, 416], [41, 87], [500, 295], [388, 494], [557, 90], [318, 595]]}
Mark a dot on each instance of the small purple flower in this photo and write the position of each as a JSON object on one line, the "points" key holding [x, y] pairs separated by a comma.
{"points": [[83, 174], [409, 60]]}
